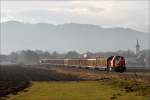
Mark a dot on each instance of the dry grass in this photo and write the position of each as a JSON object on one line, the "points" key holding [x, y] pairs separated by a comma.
{"points": [[83, 90]]}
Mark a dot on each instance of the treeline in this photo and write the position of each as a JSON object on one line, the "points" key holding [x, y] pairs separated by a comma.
{"points": [[34, 56]]}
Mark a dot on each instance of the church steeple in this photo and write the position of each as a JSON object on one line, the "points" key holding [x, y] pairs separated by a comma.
{"points": [[137, 47]]}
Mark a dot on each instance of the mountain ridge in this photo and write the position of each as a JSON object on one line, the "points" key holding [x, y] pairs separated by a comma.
{"points": [[68, 24], [70, 36]]}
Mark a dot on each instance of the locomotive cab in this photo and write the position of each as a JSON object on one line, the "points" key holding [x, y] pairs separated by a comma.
{"points": [[116, 63]]}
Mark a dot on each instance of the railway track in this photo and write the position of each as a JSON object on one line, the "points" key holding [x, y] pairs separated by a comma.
{"points": [[45, 72], [128, 69], [131, 73]]}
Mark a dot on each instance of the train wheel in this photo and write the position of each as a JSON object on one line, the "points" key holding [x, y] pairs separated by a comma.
{"points": [[120, 69], [116, 69], [108, 69], [123, 69]]}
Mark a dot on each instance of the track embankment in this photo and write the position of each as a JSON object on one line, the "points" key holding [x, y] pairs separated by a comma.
{"points": [[91, 74]]}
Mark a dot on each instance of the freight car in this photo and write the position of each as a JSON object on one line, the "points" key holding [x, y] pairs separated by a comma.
{"points": [[116, 63]]}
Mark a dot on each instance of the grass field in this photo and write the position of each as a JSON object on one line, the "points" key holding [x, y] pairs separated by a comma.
{"points": [[83, 90]]}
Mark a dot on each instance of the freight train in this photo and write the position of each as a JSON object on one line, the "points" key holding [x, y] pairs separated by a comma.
{"points": [[116, 63]]}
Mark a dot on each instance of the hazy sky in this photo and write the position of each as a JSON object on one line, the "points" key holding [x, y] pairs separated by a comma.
{"points": [[131, 14]]}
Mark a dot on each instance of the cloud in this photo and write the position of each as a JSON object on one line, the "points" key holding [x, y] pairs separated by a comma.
{"points": [[96, 9], [104, 13]]}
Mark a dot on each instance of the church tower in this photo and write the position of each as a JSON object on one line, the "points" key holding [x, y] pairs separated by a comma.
{"points": [[137, 48]]}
